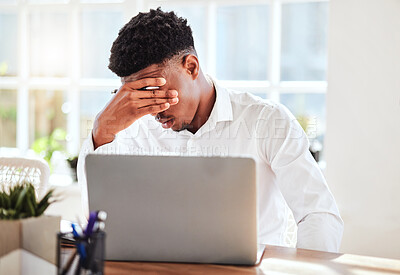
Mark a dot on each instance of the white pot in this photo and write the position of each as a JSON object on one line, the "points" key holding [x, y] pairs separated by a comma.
{"points": [[37, 235]]}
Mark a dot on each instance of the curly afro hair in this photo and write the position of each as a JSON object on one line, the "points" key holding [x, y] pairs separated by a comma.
{"points": [[149, 38]]}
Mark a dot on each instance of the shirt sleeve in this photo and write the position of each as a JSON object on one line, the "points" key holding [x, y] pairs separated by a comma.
{"points": [[301, 182]]}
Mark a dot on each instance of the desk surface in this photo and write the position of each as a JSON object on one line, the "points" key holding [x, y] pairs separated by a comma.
{"points": [[276, 260]]}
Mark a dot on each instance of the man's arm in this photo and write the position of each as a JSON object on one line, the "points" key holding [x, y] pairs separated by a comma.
{"points": [[320, 231], [302, 183], [128, 105]]}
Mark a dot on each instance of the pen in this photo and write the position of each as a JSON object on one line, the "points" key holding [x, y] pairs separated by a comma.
{"points": [[92, 220], [78, 229], [79, 246], [74, 232], [101, 216], [99, 224], [148, 88]]}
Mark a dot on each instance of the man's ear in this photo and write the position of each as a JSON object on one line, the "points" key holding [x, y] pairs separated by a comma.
{"points": [[191, 65]]}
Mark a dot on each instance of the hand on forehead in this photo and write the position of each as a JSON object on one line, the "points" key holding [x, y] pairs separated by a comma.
{"points": [[152, 71]]}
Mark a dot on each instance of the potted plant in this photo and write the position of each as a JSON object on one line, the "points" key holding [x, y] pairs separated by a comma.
{"points": [[47, 145], [23, 225]]}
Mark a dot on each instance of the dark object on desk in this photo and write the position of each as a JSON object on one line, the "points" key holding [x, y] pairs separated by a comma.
{"points": [[315, 149], [315, 154], [70, 260], [73, 163]]}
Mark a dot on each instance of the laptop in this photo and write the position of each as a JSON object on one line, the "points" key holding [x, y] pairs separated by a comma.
{"points": [[176, 209]]}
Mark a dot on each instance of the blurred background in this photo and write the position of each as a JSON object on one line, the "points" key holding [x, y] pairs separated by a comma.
{"points": [[54, 80], [54, 56]]}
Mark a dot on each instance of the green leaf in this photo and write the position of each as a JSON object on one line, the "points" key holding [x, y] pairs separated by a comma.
{"points": [[59, 134], [47, 145], [40, 145], [21, 197], [42, 208], [46, 198], [7, 201], [30, 205], [2, 213], [11, 213], [14, 194], [22, 216], [20, 202], [31, 209], [32, 197], [2, 200]]}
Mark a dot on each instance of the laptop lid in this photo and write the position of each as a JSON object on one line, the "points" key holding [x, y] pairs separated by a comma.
{"points": [[176, 209]]}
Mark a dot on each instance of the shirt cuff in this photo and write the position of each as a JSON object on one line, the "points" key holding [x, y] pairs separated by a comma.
{"points": [[320, 231]]}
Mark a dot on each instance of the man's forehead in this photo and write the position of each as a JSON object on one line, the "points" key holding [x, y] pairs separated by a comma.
{"points": [[148, 72]]}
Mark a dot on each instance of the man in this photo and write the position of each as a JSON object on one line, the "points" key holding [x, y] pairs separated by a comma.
{"points": [[195, 116]]}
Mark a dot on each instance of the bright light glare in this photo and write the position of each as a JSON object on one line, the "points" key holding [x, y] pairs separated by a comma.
{"points": [[367, 262], [49, 44], [283, 266], [66, 107]]}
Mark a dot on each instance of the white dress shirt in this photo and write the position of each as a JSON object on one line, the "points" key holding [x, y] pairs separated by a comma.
{"points": [[243, 124]]}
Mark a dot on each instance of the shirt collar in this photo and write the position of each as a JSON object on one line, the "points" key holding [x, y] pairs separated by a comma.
{"points": [[222, 110]]}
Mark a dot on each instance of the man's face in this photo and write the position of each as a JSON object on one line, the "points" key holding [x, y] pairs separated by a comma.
{"points": [[179, 116]]}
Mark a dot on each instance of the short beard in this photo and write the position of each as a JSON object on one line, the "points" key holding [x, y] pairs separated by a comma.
{"points": [[185, 126]]}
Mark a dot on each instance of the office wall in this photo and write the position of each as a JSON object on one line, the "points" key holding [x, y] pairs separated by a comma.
{"points": [[363, 123]]}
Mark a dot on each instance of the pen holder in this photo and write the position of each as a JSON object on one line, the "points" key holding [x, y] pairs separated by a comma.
{"points": [[71, 259]]}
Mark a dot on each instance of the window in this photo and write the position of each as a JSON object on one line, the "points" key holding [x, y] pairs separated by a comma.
{"points": [[91, 102], [8, 118], [98, 31], [242, 42], [304, 29], [195, 14], [48, 44], [46, 112], [8, 42], [54, 57]]}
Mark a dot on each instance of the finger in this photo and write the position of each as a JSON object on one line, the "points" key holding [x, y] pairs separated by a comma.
{"points": [[141, 83], [156, 101], [155, 93], [154, 109]]}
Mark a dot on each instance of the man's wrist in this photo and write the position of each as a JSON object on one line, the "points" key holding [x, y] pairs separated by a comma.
{"points": [[101, 139]]}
